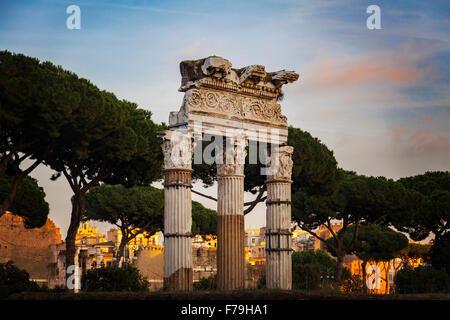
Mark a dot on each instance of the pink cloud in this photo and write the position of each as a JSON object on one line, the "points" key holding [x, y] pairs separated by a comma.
{"points": [[329, 73], [325, 115], [420, 142]]}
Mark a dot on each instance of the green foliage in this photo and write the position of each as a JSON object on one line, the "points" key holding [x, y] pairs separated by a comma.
{"points": [[36, 106], [141, 207], [428, 182], [314, 166], [373, 242], [134, 210], [314, 171], [50, 115], [204, 220], [29, 202], [440, 253], [353, 284], [422, 280], [209, 283], [430, 206], [114, 279], [261, 284], [312, 269], [14, 280], [35, 103], [415, 251], [136, 207], [358, 199]]}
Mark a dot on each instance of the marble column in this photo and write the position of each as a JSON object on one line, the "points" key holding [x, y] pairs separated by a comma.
{"points": [[177, 149], [278, 219], [230, 218]]}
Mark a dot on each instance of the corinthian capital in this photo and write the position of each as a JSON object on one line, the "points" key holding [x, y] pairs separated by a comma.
{"points": [[280, 163], [234, 157], [177, 148]]}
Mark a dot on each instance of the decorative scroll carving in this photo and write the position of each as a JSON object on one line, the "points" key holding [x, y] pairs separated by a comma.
{"points": [[234, 158], [280, 164], [232, 105], [177, 149]]}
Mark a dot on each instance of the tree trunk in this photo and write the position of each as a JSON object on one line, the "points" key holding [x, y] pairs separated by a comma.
{"points": [[386, 290], [75, 220], [11, 153], [123, 243], [340, 258], [364, 275], [339, 268]]}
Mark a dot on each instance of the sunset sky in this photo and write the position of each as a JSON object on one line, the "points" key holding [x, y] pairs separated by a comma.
{"points": [[380, 99]]}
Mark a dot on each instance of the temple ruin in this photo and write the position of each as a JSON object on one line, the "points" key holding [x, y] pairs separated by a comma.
{"points": [[240, 105]]}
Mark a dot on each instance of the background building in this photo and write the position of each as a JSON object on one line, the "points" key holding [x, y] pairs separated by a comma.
{"points": [[29, 249]]}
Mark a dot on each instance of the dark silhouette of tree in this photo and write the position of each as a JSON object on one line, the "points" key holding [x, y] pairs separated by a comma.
{"points": [[133, 210], [357, 200], [36, 105], [373, 242], [29, 202], [429, 205]]}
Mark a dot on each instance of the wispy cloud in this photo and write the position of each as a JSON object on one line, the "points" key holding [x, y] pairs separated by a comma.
{"points": [[382, 68]]}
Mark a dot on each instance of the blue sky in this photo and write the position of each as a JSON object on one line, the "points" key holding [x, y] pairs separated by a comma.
{"points": [[379, 99]]}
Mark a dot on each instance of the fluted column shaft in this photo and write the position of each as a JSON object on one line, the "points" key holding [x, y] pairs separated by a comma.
{"points": [[230, 218], [177, 211], [230, 232], [278, 221]]}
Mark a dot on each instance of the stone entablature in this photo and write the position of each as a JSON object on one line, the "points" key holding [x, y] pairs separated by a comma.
{"points": [[220, 98]]}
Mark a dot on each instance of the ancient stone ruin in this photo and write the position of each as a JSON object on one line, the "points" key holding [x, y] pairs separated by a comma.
{"points": [[240, 105]]}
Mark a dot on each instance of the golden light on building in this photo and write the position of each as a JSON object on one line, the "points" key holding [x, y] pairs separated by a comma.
{"points": [[380, 274], [87, 235]]}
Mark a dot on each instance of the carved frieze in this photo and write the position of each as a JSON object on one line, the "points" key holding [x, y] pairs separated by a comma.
{"points": [[234, 106]]}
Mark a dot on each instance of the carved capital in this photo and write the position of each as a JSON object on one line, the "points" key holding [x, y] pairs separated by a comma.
{"points": [[280, 163], [234, 158], [177, 148]]}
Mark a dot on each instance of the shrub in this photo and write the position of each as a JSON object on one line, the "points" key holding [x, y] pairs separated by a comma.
{"points": [[440, 253], [14, 280], [209, 283], [422, 280], [114, 279], [313, 269], [306, 276], [261, 284], [353, 284]]}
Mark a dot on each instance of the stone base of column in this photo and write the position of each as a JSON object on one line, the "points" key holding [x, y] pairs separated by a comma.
{"points": [[178, 274], [230, 252], [279, 270], [180, 280]]}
